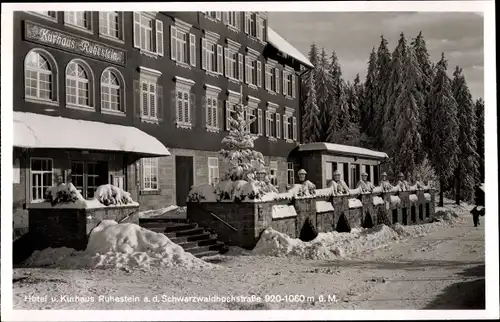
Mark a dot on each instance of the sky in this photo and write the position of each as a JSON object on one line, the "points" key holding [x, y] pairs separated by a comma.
{"points": [[353, 35]]}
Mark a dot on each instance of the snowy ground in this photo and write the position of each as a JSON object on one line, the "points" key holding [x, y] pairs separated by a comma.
{"points": [[430, 266]]}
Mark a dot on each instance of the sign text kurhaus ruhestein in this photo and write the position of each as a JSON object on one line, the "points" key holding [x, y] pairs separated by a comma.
{"points": [[40, 34]]}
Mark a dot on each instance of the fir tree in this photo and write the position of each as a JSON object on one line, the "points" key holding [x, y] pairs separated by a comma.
{"points": [[239, 152], [427, 75], [393, 91], [381, 84], [480, 136], [408, 143], [356, 94], [311, 126], [370, 95], [443, 126], [324, 95], [313, 58], [467, 171]]}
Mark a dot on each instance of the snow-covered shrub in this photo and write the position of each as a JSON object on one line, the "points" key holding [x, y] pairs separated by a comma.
{"points": [[63, 193], [109, 194], [203, 192]]}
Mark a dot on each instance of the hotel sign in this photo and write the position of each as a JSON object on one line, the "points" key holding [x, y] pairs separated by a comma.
{"points": [[47, 36]]}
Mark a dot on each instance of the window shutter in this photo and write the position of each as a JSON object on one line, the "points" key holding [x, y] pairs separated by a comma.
{"points": [[152, 100], [215, 119], [137, 29], [220, 114], [294, 128], [225, 17], [191, 109], [220, 60], [218, 15], [259, 29], [247, 18], [144, 99], [208, 111], [237, 20], [259, 121], [267, 124], [226, 62], [159, 101], [204, 53], [159, 37], [259, 74], [285, 127], [277, 74], [285, 88], [247, 74], [228, 115], [293, 85], [278, 125], [192, 49], [173, 44], [240, 67]]}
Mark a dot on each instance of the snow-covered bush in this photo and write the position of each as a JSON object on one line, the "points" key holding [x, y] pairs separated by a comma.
{"points": [[203, 192], [109, 194], [63, 193]]}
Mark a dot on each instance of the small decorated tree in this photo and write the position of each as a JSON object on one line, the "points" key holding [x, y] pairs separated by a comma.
{"points": [[239, 153]]}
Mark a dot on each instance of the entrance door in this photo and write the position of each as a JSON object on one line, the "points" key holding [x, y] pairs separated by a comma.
{"points": [[183, 178]]}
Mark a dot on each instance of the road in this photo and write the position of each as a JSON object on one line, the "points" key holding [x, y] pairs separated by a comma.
{"points": [[442, 270]]}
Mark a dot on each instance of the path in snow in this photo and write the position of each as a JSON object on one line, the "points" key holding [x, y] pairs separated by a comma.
{"points": [[443, 270]]}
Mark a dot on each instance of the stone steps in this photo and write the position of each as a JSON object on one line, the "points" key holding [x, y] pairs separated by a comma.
{"points": [[199, 241]]}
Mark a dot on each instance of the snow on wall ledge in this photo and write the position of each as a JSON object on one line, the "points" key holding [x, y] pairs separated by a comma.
{"points": [[377, 201], [283, 211], [323, 206], [413, 198], [395, 200], [355, 203], [427, 196]]}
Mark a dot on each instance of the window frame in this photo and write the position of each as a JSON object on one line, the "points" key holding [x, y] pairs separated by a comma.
{"points": [[105, 15], [51, 73], [74, 22], [212, 94], [152, 167], [184, 117], [288, 171], [211, 169], [41, 173], [273, 165], [121, 91], [150, 77], [90, 81]]}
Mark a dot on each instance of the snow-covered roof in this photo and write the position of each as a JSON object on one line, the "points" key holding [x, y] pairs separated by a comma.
{"points": [[42, 131], [284, 46], [343, 149]]}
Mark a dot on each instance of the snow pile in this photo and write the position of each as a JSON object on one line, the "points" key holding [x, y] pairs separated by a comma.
{"points": [[159, 212], [413, 198], [334, 245], [283, 211], [326, 245], [355, 203], [108, 194], [323, 206], [395, 200], [377, 201], [126, 246]]}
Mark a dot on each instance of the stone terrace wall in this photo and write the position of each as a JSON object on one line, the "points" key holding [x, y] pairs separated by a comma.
{"points": [[250, 219], [63, 227]]}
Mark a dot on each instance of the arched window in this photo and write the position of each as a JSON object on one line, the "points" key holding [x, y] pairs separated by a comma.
{"points": [[78, 85], [111, 91], [38, 77]]}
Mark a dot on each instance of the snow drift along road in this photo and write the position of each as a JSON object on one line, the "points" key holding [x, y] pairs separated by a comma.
{"points": [[333, 245], [113, 245]]}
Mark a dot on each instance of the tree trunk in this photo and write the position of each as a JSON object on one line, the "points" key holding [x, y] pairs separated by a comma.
{"points": [[441, 188], [457, 186]]}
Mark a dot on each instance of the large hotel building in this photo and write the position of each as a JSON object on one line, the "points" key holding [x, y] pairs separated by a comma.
{"points": [[141, 100]]}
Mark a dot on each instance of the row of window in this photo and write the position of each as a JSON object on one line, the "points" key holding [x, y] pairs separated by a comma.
{"points": [[254, 23], [86, 176], [110, 22], [41, 81]]}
